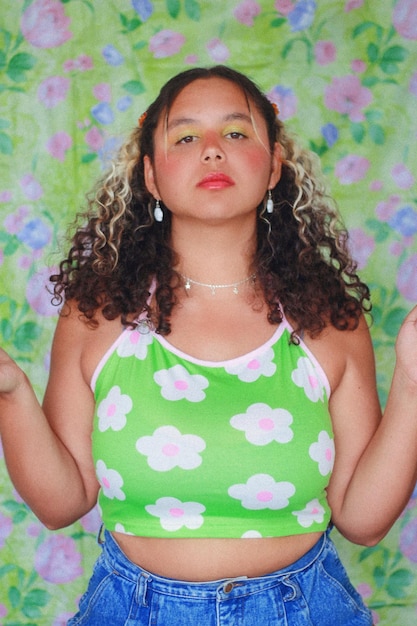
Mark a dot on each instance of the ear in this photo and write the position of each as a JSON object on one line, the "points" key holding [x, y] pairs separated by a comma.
{"points": [[275, 165], [149, 175]]}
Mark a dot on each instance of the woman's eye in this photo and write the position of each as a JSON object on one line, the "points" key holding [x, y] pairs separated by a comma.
{"points": [[187, 139], [235, 134]]}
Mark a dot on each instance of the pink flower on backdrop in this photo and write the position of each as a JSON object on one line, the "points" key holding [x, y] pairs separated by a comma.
{"points": [[284, 6], [84, 62], [404, 18], [94, 139], [217, 50], [346, 95], [58, 144], [361, 246], [396, 248], [102, 92], [358, 66], [31, 187], [365, 590], [325, 52], [14, 222], [62, 619], [413, 84], [402, 176], [353, 4], [57, 560], [407, 279], [45, 25], [38, 292], [387, 208], [34, 530], [246, 11], [6, 196], [3, 610], [53, 90], [285, 99], [6, 527], [70, 65], [166, 43], [376, 185], [191, 59], [351, 169], [1, 257]]}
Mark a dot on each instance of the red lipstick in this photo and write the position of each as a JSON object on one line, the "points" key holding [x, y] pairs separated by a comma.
{"points": [[216, 180]]}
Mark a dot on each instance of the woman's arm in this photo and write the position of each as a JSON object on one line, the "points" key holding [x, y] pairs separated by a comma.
{"points": [[376, 459], [48, 450]]}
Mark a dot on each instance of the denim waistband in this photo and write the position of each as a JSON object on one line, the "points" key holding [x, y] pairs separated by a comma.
{"points": [[119, 562]]}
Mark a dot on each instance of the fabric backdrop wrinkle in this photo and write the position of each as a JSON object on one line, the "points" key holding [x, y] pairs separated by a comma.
{"points": [[75, 75]]}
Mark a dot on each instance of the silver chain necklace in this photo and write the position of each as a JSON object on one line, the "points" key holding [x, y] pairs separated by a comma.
{"points": [[234, 286]]}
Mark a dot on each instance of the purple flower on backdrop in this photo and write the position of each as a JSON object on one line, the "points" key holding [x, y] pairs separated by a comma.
{"points": [[102, 92], [284, 6], [407, 278], [53, 90], [346, 95], [404, 18], [91, 521], [404, 221], [45, 25], [330, 134], [353, 4], [13, 222], [402, 176], [124, 103], [246, 11], [361, 246], [103, 113], [112, 56], [351, 169], [94, 139], [166, 43], [408, 540], [6, 527], [38, 292], [35, 234], [30, 187], [57, 560], [217, 50], [58, 144], [302, 15], [286, 100], [143, 8]]}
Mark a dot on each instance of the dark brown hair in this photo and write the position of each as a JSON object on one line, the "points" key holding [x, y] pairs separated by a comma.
{"points": [[302, 260]]}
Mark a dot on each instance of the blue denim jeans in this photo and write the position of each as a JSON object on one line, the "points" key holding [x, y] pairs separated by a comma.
{"points": [[313, 591]]}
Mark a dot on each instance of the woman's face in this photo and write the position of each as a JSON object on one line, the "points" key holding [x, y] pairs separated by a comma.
{"points": [[212, 159]]}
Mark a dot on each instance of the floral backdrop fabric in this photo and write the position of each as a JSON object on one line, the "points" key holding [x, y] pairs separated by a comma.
{"points": [[75, 76]]}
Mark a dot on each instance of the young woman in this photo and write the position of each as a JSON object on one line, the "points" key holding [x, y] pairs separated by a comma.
{"points": [[212, 379]]}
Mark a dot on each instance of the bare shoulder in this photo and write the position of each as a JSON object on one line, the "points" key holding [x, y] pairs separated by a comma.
{"points": [[341, 351]]}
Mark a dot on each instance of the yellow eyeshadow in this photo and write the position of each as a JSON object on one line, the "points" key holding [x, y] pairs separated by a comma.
{"points": [[178, 135]]}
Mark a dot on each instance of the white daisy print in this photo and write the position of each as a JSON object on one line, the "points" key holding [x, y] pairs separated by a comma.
{"points": [[110, 480], [252, 534], [174, 514], [119, 528], [262, 492], [261, 424], [178, 384], [252, 369], [113, 409], [306, 377], [313, 512], [136, 345], [323, 452], [168, 448]]}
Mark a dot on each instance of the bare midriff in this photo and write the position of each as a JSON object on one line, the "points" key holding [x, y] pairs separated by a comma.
{"points": [[213, 559]]}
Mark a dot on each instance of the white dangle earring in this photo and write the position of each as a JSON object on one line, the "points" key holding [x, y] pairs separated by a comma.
{"points": [[269, 202], [157, 212]]}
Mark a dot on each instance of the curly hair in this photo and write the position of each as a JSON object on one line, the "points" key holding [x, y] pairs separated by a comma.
{"points": [[302, 261]]}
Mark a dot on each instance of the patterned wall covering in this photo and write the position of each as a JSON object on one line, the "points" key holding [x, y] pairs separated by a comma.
{"points": [[75, 76]]}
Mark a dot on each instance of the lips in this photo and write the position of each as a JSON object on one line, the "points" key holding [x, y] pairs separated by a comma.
{"points": [[215, 180]]}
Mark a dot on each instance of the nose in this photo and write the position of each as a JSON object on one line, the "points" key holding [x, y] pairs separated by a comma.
{"points": [[212, 150]]}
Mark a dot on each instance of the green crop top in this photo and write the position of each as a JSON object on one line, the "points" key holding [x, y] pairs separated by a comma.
{"points": [[190, 448]]}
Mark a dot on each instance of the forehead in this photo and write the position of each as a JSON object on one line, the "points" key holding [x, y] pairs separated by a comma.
{"points": [[210, 95]]}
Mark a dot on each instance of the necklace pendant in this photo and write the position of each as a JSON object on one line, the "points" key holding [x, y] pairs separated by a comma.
{"points": [[187, 285], [213, 290]]}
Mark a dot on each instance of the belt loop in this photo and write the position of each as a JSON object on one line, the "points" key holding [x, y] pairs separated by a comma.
{"points": [[142, 589], [100, 536]]}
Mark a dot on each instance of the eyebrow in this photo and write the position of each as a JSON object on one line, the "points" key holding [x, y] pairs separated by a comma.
{"points": [[230, 117]]}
